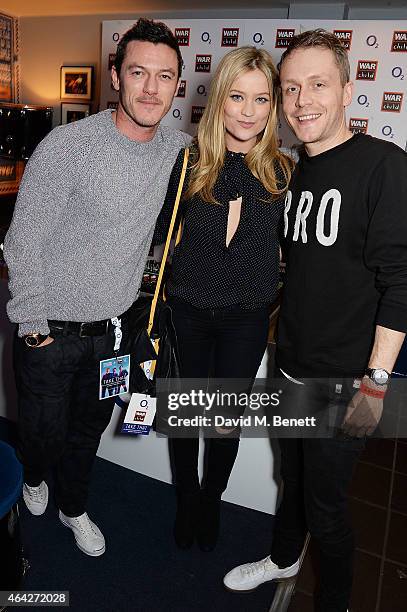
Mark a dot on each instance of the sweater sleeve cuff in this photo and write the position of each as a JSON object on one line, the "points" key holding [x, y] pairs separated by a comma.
{"points": [[33, 327], [392, 318]]}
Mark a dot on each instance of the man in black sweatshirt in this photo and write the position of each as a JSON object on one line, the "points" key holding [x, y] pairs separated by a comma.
{"points": [[344, 311]]}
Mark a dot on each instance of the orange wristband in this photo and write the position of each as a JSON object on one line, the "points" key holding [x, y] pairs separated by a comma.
{"points": [[371, 392]]}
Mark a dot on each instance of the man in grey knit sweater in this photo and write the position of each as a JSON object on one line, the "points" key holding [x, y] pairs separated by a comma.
{"points": [[76, 248]]}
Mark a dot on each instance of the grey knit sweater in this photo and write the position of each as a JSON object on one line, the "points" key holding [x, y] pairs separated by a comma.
{"points": [[84, 220]]}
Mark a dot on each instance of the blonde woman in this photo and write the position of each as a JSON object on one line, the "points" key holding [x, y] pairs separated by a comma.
{"points": [[225, 270]]}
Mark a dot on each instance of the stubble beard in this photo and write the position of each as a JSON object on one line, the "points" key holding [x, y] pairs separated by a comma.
{"points": [[143, 122]]}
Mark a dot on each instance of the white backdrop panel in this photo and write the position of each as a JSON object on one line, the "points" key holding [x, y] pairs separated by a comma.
{"points": [[382, 70], [377, 54]]}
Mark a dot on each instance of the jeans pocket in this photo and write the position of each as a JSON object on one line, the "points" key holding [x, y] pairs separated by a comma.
{"points": [[48, 356]]}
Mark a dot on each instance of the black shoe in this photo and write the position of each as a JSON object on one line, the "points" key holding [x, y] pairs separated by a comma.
{"points": [[209, 518], [185, 519]]}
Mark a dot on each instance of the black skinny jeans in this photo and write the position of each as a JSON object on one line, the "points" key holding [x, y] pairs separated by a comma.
{"points": [[317, 473], [61, 418], [226, 343]]}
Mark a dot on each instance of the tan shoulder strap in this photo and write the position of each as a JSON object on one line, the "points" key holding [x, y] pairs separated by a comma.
{"points": [[167, 242]]}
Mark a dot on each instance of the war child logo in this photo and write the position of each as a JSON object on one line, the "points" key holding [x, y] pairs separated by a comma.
{"points": [[196, 113], [182, 35], [181, 89], [283, 37], [392, 101], [366, 70], [345, 36], [230, 37], [399, 42], [203, 63], [358, 126], [112, 57]]}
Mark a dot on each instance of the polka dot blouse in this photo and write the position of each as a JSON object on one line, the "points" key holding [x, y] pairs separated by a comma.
{"points": [[205, 271]]}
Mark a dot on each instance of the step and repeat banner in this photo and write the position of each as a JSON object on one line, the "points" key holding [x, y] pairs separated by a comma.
{"points": [[377, 54]]}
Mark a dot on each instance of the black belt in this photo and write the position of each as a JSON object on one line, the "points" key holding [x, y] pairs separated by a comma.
{"points": [[92, 328]]}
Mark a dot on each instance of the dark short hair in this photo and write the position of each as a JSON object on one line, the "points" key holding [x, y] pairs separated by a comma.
{"points": [[147, 30], [326, 40]]}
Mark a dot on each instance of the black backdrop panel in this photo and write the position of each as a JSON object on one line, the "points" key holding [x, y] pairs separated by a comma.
{"points": [[22, 128]]}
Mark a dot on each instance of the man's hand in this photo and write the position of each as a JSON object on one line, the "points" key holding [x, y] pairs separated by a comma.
{"points": [[365, 410], [362, 415]]}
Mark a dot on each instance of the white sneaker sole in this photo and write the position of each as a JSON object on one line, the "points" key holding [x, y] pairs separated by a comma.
{"points": [[259, 585], [91, 553]]}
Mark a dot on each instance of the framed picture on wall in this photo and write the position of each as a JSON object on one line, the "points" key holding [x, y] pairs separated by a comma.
{"points": [[7, 55], [76, 82], [73, 112]]}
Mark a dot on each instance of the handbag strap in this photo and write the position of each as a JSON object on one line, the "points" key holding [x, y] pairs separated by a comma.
{"points": [[167, 242]]}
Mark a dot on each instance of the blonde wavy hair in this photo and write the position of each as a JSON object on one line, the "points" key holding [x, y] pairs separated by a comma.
{"points": [[210, 140]]}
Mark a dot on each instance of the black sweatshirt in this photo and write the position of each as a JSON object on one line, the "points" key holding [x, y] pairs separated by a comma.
{"points": [[205, 272], [346, 257]]}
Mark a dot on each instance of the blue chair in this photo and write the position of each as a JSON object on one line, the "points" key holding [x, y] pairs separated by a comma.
{"points": [[11, 555]]}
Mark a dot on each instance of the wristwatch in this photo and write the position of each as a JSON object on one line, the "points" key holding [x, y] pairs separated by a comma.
{"points": [[379, 376], [34, 340]]}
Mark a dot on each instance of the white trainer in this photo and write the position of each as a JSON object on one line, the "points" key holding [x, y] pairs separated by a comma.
{"points": [[249, 576], [36, 498], [89, 538]]}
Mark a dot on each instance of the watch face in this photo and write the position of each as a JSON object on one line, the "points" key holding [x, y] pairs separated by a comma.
{"points": [[380, 377], [32, 340]]}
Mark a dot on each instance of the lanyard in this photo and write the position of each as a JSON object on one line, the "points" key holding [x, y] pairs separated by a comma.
{"points": [[118, 334]]}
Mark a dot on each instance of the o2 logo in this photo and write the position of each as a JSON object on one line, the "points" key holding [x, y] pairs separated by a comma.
{"points": [[363, 100], [176, 113], [398, 73], [258, 38], [371, 41], [206, 38], [387, 131]]}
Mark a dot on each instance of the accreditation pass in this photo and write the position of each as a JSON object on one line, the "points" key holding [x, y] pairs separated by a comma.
{"points": [[34, 598]]}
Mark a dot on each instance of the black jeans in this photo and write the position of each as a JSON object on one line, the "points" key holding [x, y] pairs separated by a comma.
{"points": [[316, 475], [61, 418], [225, 343]]}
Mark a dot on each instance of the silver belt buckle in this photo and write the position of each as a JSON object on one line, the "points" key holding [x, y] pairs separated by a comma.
{"points": [[81, 335]]}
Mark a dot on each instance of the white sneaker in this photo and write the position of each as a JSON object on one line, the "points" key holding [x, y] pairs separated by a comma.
{"points": [[249, 576], [88, 536], [36, 498]]}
